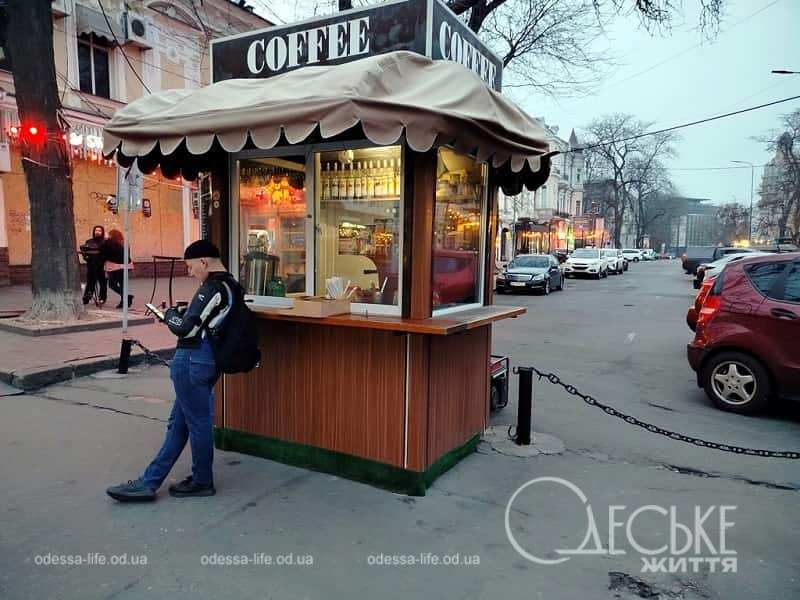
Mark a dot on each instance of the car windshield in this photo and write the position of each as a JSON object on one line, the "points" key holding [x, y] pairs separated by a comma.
{"points": [[585, 253], [609, 252], [629, 251], [537, 262]]}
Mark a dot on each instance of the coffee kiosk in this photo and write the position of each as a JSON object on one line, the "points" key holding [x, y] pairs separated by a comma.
{"points": [[367, 146]]}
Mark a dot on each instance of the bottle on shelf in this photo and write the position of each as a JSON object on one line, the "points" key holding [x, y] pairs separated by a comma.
{"points": [[326, 182], [370, 177], [351, 184], [380, 187], [335, 182], [357, 187]]}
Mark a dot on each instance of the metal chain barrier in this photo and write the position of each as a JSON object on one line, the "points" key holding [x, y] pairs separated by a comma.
{"points": [[592, 401], [149, 354]]}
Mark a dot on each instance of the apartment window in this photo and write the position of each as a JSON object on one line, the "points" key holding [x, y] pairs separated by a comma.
{"points": [[93, 66]]}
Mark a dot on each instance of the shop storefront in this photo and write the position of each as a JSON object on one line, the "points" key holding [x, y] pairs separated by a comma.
{"points": [[363, 170], [171, 216]]}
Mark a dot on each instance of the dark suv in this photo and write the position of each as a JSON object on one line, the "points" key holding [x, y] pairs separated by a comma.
{"points": [[745, 349]]}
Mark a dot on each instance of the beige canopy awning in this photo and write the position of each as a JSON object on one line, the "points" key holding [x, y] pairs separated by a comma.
{"points": [[388, 96]]}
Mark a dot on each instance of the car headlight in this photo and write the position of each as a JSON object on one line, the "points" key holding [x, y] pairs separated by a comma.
{"points": [[538, 277]]}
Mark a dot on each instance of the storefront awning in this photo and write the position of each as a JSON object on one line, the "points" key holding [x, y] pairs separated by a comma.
{"points": [[92, 21], [387, 96]]}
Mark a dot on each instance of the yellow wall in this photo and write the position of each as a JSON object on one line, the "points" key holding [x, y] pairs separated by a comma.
{"points": [[160, 234], [132, 84]]}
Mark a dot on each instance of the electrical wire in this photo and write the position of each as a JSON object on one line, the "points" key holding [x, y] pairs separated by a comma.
{"points": [[144, 62], [121, 49], [97, 109], [674, 127]]}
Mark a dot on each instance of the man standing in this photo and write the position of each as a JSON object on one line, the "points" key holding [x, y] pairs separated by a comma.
{"points": [[193, 373], [95, 275]]}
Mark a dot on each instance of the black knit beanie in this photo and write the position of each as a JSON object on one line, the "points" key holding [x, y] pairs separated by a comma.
{"points": [[201, 249]]}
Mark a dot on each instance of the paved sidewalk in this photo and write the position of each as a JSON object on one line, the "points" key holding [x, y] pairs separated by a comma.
{"points": [[32, 362]]}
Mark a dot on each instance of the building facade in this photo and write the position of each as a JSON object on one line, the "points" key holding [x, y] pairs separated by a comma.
{"points": [[108, 53], [543, 218]]}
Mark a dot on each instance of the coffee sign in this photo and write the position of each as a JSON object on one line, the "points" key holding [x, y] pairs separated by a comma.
{"points": [[427, 27]]}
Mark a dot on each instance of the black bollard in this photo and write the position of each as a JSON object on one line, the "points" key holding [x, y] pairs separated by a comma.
{"points": [[124, 356], [524, 406]]}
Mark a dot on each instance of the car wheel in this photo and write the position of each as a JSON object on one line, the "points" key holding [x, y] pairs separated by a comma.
{"points": [[546, 289], [737, 383]]}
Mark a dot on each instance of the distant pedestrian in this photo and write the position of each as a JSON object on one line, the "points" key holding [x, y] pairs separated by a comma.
{"points": [[113, 251], [91, 250], [193, 372]]}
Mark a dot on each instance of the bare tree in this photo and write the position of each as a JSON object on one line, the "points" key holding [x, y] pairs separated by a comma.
{"points": [[548, 45], [734, 220], [650, 181], [654, 14], [631, 170], [779, 207], [45, 159]]}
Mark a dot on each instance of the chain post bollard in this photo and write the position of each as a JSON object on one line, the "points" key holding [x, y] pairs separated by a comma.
{"points": [[631, 420], [124, 356], [522, 435]]}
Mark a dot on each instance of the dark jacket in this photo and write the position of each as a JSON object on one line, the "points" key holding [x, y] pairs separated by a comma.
{"points": [[208, 307], [92, 249], [113, 252]]}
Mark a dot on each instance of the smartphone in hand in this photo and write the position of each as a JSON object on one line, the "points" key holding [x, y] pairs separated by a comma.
{"points": [[156, 311]]}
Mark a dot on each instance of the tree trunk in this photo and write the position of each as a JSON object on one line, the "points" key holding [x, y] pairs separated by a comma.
{"points": [[54, 259]]}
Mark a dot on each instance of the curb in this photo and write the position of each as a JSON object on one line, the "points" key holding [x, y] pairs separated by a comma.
{"points": [[38, 377]]}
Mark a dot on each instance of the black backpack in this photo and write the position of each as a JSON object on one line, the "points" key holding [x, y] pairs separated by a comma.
{"points": [[235, 340]]}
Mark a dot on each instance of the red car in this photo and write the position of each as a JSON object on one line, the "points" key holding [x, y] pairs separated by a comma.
{"points": [[455, 273], [694, 309], [745, 350]]}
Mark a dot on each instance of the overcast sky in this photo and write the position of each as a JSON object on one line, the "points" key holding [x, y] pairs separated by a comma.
{"points": [[677, 77]]}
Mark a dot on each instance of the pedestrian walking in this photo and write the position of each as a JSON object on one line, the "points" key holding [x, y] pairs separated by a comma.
{"points": [[113, 252], [193, 372], [91, 250]]}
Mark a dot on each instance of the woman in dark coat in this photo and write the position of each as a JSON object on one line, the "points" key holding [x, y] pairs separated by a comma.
{"points": [[113, 251]]}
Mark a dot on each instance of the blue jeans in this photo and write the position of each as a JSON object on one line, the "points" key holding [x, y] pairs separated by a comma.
{"points": [[193, 373]]}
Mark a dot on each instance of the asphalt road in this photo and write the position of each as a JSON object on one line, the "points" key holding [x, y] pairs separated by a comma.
{"points": [[621, 339]]}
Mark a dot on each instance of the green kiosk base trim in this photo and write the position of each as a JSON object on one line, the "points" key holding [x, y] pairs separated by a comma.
{"points": [[396, 479]]}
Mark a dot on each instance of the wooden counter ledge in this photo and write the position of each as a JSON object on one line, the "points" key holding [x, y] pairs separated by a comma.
{"points": [[444, 325]]}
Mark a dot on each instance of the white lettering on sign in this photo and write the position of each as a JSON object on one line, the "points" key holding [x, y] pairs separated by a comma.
{"points": [[331, 42], [454, 47]]}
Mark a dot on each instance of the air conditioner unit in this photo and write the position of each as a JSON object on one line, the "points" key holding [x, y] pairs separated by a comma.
{"points": [[5, 158], [139, 31], [61, 8]]}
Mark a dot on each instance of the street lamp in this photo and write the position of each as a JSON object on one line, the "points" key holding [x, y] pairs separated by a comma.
{"points": [[752, 180], [784, 72]]}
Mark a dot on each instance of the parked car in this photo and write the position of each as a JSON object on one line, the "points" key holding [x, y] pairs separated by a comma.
{"points": [[616, 262], [632, 254], [745, 347], [715, 267], [539, 272], [586, 261], [695, 256], [648, 254], [694, 308], [721, 251]]}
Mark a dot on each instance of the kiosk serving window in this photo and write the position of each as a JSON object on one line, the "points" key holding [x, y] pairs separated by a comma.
{"points": [[359, 223], [272, 225], [458, 230]]}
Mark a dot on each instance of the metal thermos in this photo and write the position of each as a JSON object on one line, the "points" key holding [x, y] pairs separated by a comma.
{"points": [[260, 268]]}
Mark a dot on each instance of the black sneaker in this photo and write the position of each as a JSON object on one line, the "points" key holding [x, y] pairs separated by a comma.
{"points": [[188, 488], [133, 491]]}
